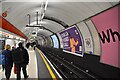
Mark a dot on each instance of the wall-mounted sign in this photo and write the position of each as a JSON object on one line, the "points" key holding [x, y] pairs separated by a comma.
{"points": [[88, 42], [4, 14], [55, 41], [108, 28], [72, 42]]}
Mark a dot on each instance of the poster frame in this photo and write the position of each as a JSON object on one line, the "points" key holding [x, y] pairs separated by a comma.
{"points": [[81, 37]]}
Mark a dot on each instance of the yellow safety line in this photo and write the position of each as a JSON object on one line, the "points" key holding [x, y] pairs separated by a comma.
{"points": [[47, 65]]}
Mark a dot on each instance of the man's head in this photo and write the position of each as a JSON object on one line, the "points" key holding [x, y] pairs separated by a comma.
{"points": [[20, 44]]}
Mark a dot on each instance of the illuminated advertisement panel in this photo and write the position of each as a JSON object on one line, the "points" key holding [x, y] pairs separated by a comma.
{"points": [[72, 42], [108, 30], [55, 41]]}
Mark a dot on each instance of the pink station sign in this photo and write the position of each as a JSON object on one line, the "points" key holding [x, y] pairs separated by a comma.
{"points": [[109, 33]]}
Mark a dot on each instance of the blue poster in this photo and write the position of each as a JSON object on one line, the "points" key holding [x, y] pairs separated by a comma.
{"points": [[72, 42]]}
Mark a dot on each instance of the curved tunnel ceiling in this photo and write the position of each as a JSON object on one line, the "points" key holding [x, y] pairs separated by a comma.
{"points": [[50, 25], [56, 20], [68, 12]]}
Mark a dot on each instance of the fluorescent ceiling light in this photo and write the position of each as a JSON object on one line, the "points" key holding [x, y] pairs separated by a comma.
{"points": [[35, 23]]}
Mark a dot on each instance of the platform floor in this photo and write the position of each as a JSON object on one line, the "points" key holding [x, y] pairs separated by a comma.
{"points": [[39, 67], [31, 68]]}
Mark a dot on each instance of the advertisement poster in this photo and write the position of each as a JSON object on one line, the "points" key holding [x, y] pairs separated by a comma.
{"points": [[55, 41], [72, 42], [108, 30]]}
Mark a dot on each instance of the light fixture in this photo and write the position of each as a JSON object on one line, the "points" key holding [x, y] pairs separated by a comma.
{"points": [[39, 15], [39, 18]]}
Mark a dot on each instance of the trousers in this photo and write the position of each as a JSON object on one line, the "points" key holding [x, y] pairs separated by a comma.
{"points": [[19, 67], [7, 72]]}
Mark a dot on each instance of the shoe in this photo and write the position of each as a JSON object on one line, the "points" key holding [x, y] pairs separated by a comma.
{"points": [[26, 76]]}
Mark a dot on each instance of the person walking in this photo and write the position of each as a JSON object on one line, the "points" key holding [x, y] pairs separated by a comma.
{"points": [[21, 60], [8, 63]]}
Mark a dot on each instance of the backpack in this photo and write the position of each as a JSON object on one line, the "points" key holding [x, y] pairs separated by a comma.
{"points": [[18, 55]]}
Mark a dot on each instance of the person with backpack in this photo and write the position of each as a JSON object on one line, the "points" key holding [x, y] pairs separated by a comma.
{"points": [[8, 63], [21, 60]]}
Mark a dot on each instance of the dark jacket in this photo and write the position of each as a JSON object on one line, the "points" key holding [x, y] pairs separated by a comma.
{"points": [[20, 56], [8, 58], [26, 56]]}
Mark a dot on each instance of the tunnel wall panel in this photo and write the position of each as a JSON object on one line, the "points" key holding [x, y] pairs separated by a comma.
{"points": [[87, 39], [95, 37], [60, 39]]}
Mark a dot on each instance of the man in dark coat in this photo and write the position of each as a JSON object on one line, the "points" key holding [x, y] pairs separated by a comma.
{"points": [[21, 60]]}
